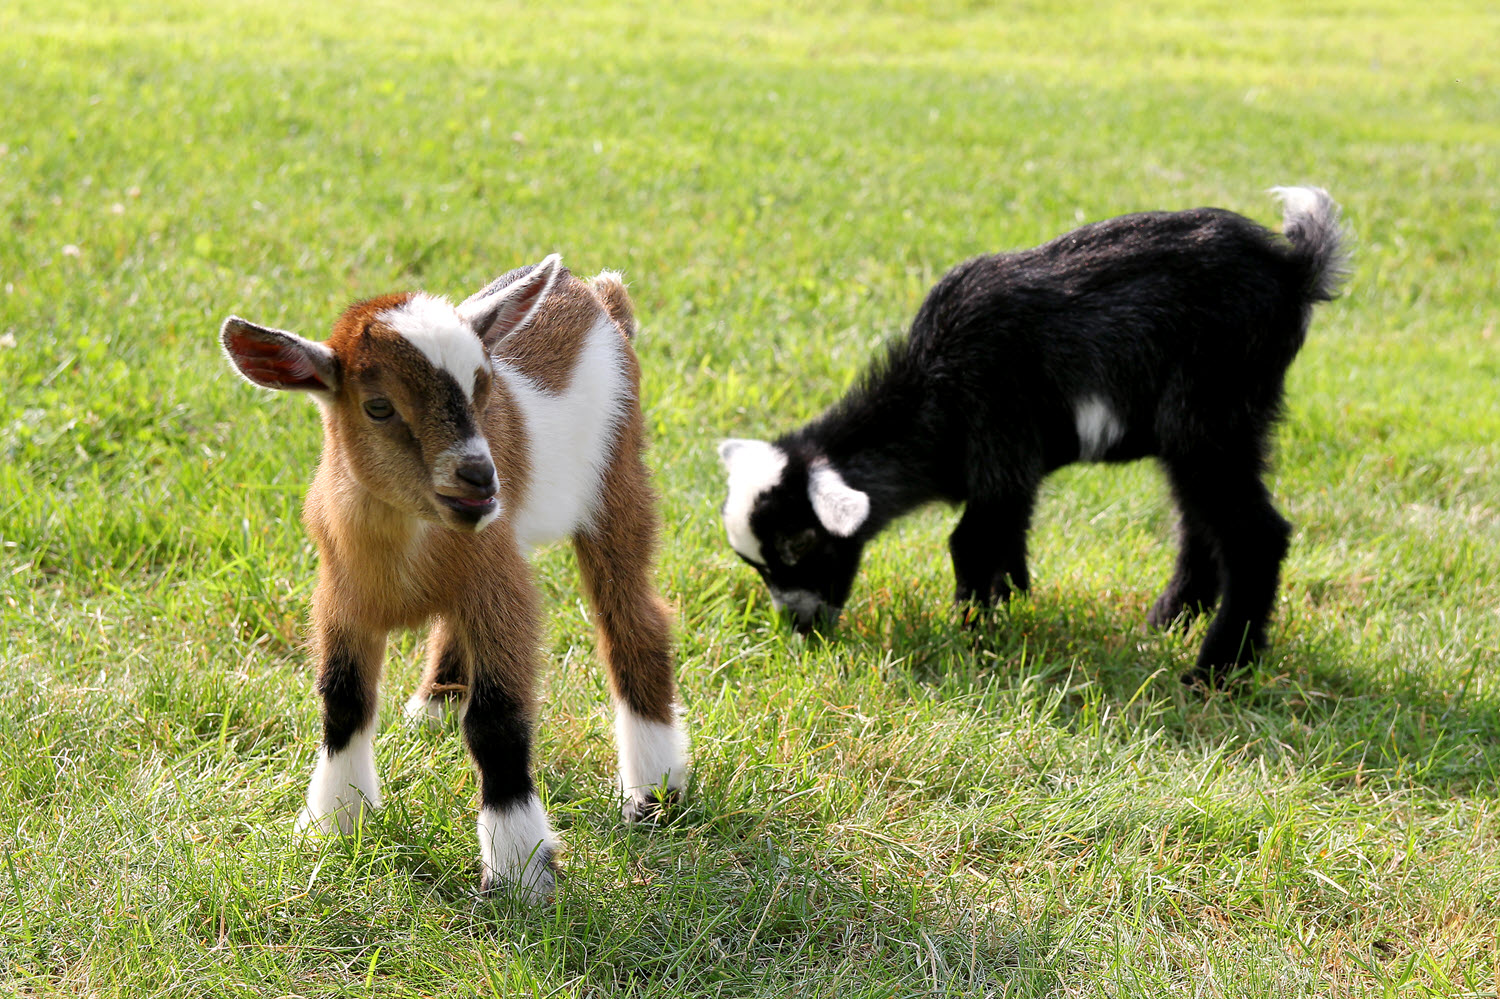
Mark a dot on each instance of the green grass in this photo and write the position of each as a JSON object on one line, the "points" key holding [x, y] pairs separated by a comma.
{"points": [[1037, 809]]}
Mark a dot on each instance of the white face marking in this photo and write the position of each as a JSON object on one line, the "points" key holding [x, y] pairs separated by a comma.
{"points": [[754, 467], [651, 754], [343, 785], [1098, 427], [570, 436], [435, 328], [515, 844], [840, 507]]}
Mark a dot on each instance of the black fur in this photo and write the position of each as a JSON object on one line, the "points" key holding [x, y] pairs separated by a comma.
{"points": [[348, 701], [1181, 323]]}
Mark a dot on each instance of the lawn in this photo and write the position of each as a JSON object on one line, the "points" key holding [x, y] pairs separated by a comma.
{"points": [[908, 808]]}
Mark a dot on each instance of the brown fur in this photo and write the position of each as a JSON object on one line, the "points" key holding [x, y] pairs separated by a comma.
{"points": [[566, 316], [379, 570], [392, 557]]}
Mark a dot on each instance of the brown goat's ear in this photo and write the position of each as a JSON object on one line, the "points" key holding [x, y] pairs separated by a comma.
{"points": [[503, 309], [275, 359]]}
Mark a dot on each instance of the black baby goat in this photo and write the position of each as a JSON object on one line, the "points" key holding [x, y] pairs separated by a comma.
{"points": [[1163, 334]]}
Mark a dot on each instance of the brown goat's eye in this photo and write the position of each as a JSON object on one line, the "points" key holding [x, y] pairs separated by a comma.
{"points": [[379, 409]]}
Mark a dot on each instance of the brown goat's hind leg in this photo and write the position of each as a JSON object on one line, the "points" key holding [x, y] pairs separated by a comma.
{"points": [[615, 557], [445, 680]]}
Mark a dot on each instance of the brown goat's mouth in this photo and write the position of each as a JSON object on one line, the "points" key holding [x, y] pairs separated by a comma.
{"points": [[475, 507]]}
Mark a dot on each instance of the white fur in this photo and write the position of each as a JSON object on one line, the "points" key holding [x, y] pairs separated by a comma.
{"points": [[571, 435], [515, 845], [754, 467], [436, 329], [343, 785], [1098, 427], [651, 754], [840, 507], [433, 712], [1299, 201]]}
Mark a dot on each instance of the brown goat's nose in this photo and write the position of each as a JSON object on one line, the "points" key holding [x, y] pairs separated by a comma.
{"points": [[477, 474]]}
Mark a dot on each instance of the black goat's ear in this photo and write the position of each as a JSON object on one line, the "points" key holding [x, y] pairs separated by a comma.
{"points": [[841, 508], [501, 310], [276, 359]]}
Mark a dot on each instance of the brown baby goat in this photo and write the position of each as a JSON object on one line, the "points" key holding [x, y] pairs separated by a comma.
{"points": [[455, 440]]}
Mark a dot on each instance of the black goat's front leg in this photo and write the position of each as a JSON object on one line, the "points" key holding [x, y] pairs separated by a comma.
{"points": [[1195, 585], [988, 547]]}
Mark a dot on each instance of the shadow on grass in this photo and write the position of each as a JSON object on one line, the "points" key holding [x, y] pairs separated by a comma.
{"points": [[729, 901], [726, 900], [1313, 695]]}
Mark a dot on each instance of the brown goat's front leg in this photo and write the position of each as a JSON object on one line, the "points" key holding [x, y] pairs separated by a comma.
{"points": [[496, 629], [344, 782], [634, 627]]}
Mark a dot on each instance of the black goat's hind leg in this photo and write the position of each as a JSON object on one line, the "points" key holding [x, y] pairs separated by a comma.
{"points": [[1251, 539], [1194, 587]]}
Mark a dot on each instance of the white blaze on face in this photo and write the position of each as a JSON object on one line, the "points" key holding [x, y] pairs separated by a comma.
{"points": [[1098, 427], [435, 328], [754, 467]]}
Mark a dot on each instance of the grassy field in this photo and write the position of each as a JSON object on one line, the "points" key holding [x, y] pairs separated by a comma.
{"points": [[909, 809]]}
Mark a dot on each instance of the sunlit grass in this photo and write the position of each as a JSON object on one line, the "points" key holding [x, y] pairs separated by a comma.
{"points": [[1036, 808]]}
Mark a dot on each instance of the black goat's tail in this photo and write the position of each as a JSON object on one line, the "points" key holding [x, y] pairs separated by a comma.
{"points": [[1310, 219]]}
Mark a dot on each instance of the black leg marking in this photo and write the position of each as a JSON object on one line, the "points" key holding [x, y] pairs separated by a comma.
{"points": [[348, 702], [498, 732]]}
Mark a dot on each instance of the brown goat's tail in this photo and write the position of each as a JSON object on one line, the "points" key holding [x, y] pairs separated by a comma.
{"points": [[610, 289]]}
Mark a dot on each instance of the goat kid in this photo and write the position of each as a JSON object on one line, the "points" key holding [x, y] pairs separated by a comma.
{"points": [[1164, 334], [455, 440]]}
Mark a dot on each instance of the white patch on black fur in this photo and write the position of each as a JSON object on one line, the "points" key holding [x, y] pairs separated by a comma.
{"points": [[1098, 428], [754, 467], [436, 329], [571, 436], [652, 754], [343, 785], [840, 507], [516, 845]]}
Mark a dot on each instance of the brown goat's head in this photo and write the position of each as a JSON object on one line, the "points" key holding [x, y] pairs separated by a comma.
{"points": [[404, 382]]}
